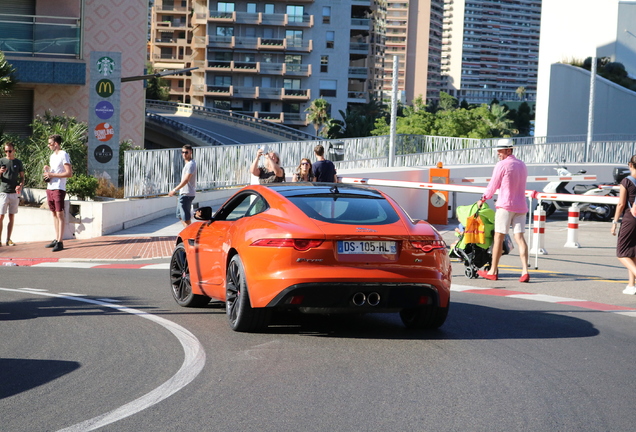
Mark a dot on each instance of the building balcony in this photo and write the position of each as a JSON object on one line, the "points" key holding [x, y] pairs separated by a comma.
{"points": [[358, 72], [295, 94], [246, 93], [200, 42], [357, 97], [171, 25], [274, 117], [219, 90], [359, 48], [269, 93], [296, 119], [232, 66], [40, 36], [170, 41], [283, 20], [360, 23], [172, 9]]}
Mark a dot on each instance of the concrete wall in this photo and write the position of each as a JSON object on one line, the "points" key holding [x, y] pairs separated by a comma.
{"points": [[569, 101], [97, 218]]}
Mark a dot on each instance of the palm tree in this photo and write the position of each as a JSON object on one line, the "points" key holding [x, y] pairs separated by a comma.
{"points": [[7, 78], [317, 113], [521, 92], [499, 123]]}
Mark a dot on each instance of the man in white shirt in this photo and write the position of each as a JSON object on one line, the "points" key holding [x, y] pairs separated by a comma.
{"points": [[55, 174], [187, 186]]}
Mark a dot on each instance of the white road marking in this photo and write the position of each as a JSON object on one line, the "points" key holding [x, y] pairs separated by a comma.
{"points": [[192, 365], [162, 266], [63, 264]]}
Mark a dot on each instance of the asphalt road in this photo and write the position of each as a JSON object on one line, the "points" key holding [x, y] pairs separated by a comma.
{"points": [[497, 364], [224, 132]]}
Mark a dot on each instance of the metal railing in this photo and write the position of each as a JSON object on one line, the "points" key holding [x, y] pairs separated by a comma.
{"points": [[40, 35], [232, 117], [156, 172]]}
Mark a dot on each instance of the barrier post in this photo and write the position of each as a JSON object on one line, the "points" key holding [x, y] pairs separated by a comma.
{"points": [[573, 227], [538, 232], [438, 199]]}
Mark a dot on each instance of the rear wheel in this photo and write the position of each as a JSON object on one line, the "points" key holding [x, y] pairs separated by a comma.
{"points": [[470, 272], [180, 280], [242, 317], [425, 317], [603, 213]]}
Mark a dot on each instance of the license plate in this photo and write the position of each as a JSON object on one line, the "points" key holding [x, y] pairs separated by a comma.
{"points": [[366, 247]]}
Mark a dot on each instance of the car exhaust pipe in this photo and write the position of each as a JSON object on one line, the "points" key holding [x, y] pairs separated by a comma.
{"points": [[373, 299], [359, 299]]}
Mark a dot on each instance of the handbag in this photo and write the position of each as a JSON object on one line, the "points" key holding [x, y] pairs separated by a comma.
{"points": [[632, 208], [474, 232]]}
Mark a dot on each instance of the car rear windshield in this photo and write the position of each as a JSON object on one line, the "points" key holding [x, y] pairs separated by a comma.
{"points": [[346, 209]]}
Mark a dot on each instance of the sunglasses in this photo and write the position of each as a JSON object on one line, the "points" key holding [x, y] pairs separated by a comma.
{"points": [[304, 163], [185, 152], [9, 151]]}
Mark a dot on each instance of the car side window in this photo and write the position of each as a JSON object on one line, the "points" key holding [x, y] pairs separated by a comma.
{"points": [[241, 206]]}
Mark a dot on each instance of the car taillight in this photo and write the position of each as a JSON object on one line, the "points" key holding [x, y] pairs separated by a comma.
{"points": [[429, 245], [298, 244]]}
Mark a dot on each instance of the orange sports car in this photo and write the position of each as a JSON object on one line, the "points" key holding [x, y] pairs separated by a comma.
{"points": [[313, 248]]}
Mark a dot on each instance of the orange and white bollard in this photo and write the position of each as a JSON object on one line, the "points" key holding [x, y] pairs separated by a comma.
{"points": [[538, 232], [573, 227]]}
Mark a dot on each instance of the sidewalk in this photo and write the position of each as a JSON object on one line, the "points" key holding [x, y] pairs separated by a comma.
{"points": [[152, 240]]}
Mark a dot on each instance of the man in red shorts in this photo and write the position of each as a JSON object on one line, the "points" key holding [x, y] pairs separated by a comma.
{"points": [[55, 175]]}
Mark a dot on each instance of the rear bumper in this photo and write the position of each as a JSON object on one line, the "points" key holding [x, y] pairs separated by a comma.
{"points": [[355, 297]]}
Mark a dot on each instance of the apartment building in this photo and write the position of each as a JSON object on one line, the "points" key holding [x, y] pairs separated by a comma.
{"points": [[270, 59], [490, 48], [414, 35], [49, 42]]}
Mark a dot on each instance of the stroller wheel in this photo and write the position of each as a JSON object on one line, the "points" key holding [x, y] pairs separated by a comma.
{"points": [[470, 273]]}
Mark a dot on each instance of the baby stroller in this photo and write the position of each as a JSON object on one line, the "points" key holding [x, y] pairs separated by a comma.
{"points": [[475, 255]]}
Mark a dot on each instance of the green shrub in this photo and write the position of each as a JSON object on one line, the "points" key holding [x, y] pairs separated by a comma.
{"points": [[82, 186]]}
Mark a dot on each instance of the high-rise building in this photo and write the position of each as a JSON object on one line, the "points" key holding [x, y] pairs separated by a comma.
{"points": [[270, 59], [414, 35], [490, 48]]}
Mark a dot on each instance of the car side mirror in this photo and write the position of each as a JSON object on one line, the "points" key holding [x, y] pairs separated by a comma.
{"points": [[203, 214]]}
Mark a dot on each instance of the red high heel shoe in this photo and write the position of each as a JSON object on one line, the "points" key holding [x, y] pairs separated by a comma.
{"points": [[525, 278], [485, 275]]}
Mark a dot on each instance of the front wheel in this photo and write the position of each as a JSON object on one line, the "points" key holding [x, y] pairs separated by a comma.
{"points": [[604, 212], [424, 317], [241, 316], [180, 280], [549, 208]]}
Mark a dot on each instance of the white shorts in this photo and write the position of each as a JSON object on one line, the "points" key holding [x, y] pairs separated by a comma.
{"points": [[504, 219], [9, 202]]}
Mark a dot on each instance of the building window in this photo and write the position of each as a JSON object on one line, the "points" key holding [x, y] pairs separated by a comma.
{"points": [[291, 84], [224, 31], [269, 8], [328, 88], [225, 7], [324, 63], [180, 83], [326, 14], [224, 81], [295, 13], [251, 8], [292, 108], [266, 82], [330, 37], [294, 38], [250, 32]]}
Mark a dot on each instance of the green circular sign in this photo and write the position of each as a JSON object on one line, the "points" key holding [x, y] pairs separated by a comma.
{"points": [[105, 88]]}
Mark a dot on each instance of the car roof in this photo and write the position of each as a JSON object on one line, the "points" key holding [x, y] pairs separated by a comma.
{"points": [[295, 189]]}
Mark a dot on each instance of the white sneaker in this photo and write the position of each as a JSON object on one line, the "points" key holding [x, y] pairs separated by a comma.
{"points": [[631, 290]]}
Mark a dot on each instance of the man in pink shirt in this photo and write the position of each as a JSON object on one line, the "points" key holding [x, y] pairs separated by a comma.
{"points": [[509, 176]]}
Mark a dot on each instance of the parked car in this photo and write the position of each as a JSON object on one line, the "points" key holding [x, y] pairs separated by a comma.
{"points": [[313, 248]]}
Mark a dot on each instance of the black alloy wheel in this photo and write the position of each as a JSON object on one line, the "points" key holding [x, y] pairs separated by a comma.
{"points": [[241, 316], [180, 280]]}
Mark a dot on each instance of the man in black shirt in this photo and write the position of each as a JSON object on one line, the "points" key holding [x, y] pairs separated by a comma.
{"points": [[324, 170]]}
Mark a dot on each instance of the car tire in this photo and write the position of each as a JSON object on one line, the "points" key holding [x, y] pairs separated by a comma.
{"points": [[180, 280], [241, 316], [426, 317]]}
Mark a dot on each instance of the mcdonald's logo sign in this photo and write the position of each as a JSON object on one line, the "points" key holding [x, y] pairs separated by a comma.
{"points": [[105, 88]]}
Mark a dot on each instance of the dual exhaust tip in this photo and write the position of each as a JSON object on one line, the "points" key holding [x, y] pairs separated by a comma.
{"points": [[360, 299]]}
